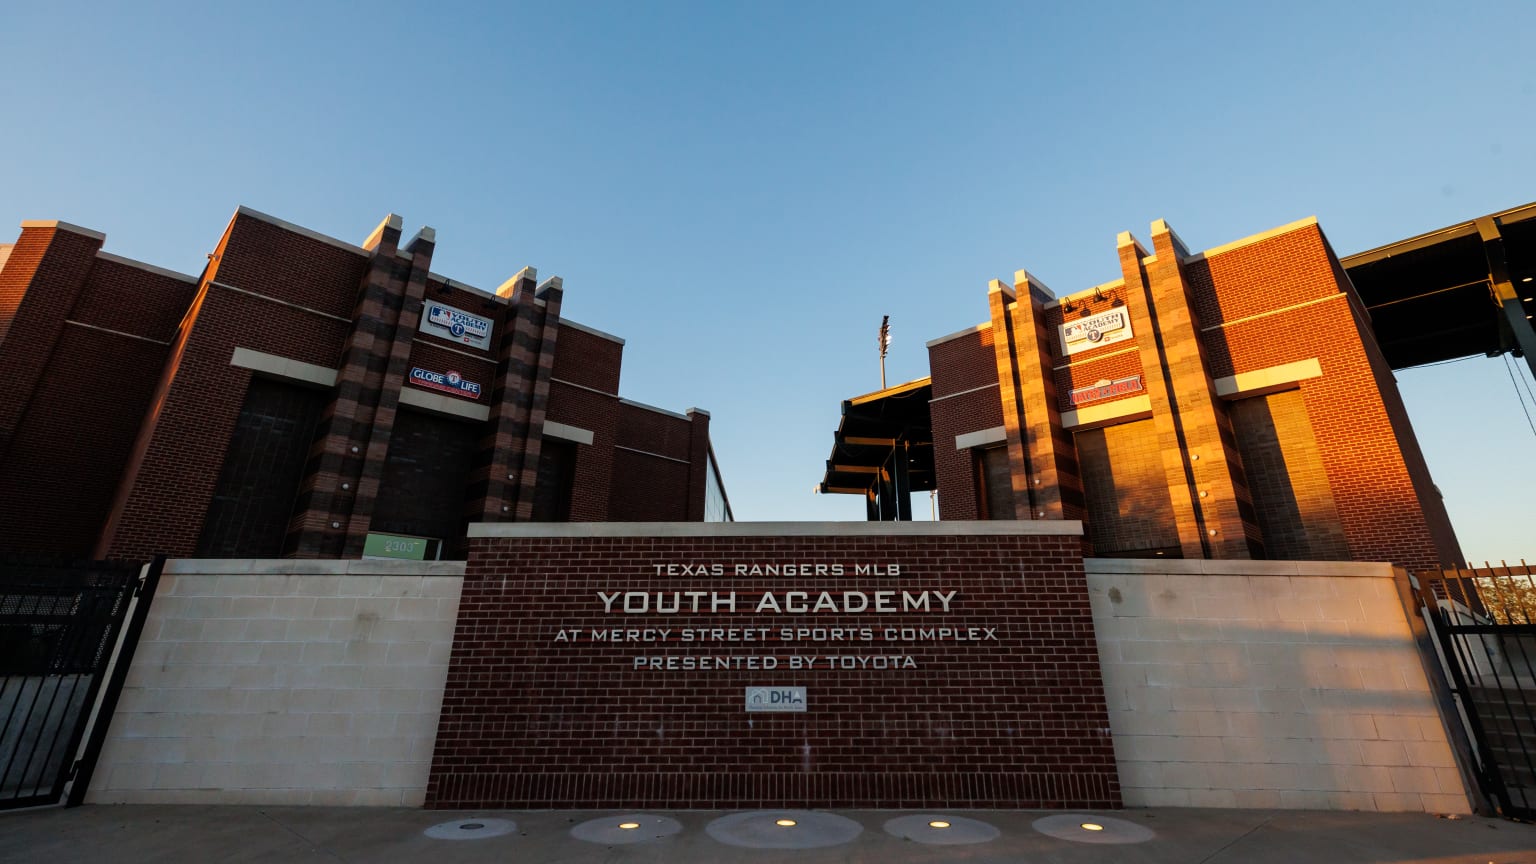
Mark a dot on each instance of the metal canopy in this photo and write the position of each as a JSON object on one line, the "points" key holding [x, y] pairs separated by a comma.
{"points": [[1462, 290], [883, 449]]}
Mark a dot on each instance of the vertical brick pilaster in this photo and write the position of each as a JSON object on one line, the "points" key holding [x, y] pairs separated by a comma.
{"points": [[1051, 453], [698, 462], [1170, 439], [1000, 300], [1211, 464], [519, 399], [347, 450], [39, 287]]}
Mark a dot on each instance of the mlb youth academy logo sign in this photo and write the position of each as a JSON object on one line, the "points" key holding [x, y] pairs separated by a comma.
{"points": [[452, 323], [448, 382], [1105, 328]]}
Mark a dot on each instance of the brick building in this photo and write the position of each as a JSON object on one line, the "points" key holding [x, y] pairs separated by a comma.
{"points": [[307, 397], [1231, 403]]}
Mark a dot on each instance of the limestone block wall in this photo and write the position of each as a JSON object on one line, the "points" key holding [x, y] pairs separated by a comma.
{"points": [[1268, 684], [284, 682]]}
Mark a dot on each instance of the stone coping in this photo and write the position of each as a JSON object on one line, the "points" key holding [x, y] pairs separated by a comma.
{"points": [[1202, 567], [1048, 527], [309, 567]]}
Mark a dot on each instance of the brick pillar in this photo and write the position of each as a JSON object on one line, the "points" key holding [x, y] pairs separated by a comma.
{"points": [[1170, 441], [347, 460], [1000, 299], [39, 285], [1050, 449], [1202, 463], [519, 396], [698, 462]]}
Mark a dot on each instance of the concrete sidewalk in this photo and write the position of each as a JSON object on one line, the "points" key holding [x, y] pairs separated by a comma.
{"points": [[322, 834]]}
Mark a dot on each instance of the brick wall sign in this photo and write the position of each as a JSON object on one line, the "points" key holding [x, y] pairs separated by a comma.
{"points": [[774, 664]]}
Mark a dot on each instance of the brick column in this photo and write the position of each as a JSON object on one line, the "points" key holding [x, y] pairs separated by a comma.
{"points": [[1050, 449], [40, 283], [1159, 388], [698, 462], [1000, 298], [337, 496], [1200, 456], [519, 397]]}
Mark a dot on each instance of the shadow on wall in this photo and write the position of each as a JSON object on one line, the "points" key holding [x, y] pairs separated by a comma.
{"points": [[1269, 691]]}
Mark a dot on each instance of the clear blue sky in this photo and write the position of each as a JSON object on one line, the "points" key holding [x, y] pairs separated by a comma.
{"points": [[743, 189]]}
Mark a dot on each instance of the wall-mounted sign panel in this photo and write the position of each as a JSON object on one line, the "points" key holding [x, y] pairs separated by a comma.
{"points": [[1105, 328], [1106, 389], [448, 382], [790, 699], [395, 546], [450, 322]]}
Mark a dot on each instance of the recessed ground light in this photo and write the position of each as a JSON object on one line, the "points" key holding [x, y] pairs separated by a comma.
{"points": [[629, 826], [471, 826], [784, 823], [1092, 826], [938, 823]]}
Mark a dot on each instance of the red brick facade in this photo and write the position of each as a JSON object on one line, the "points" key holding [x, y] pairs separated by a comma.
{"points": [[539, 714], [127, 384], [1270, 313]]}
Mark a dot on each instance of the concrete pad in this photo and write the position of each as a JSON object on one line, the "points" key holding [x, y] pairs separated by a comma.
{"points": [[310, 835]]}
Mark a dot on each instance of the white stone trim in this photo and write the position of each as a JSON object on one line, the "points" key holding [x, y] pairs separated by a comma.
{"points": [[140, 265], [960, 393], [1262, 380], [554, 380], [649, 453], [1200, 567], [63, 226], [981, 438], [117, 333], [269, 299], [1256, 316], [1011, 528], [310, 567], [436, 402], [1252, 239], [567, 433], [1024, 277], [299, 229], [565, 322], [646, 407], [1109, 411], [985, 325], [283, 367]]}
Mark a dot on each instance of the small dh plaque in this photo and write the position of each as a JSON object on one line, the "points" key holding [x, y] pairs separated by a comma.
{"points": [[776, 699]]}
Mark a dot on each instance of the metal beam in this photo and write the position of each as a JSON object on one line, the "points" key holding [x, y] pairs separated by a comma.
{"points": [[1523, 336]]}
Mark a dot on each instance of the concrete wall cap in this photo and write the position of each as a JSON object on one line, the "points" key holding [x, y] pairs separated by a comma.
{"points": [[1000, 287], [63, 226], [986, 325], [1000, 528], [242, 210], [140, 265], [644, 407], [566, 322], [1024, 277], [309, 567], [1287, 228], [1201, 567]]}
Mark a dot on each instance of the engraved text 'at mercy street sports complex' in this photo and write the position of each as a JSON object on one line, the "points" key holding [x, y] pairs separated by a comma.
{"points": [[908, 600]]}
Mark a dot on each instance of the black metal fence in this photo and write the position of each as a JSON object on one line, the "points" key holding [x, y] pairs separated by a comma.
{"points": [[59, 628], [1484, 623]]}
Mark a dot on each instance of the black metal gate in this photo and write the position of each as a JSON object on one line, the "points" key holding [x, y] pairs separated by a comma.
{"points": [[1484, 623], [59, 634]]}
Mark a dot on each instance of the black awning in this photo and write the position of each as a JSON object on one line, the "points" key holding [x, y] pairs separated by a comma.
{"points": [[883, 436]]}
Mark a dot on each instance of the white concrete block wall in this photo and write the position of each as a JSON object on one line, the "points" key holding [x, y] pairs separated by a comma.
{"points": [[1268, 684], [284, 682]]}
